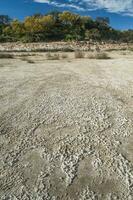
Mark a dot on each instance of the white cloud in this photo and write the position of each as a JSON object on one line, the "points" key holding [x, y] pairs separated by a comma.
{"points": [[124, 7], [63, 5]]}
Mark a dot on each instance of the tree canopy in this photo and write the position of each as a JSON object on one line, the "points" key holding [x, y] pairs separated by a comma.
{"points": [[56, 25]]}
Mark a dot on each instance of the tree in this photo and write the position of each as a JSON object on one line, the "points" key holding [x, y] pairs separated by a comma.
{"points": [[72, 24], [4, 19], [54, 14], [69, 18], [17, 28], [38, 28], [60, 26], [87, 22], [103, 20], [93, 34]]}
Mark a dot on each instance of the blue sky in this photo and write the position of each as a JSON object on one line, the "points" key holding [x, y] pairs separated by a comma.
{"points": [[120, 12]]}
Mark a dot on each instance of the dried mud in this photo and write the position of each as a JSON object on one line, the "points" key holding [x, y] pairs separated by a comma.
{"points": [[66, 129]]}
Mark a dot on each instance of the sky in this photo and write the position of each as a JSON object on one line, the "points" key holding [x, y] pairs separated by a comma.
{"points": [[120, 12]]}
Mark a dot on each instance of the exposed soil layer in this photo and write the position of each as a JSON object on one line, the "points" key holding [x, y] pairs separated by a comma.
{"points": [[63, 46]]}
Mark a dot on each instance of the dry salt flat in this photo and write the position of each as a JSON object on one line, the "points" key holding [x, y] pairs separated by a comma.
{"points": [[66, 128]]}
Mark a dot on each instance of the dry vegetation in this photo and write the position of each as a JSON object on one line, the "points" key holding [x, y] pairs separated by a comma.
{"points": [[64, 56], [57, 56], [99, 55], [6, 55], [30, 61], [79, 54], [102, 55], [50, 56], [27, 59]]}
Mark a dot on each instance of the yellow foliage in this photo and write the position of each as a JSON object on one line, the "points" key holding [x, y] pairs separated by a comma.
{"points": [[38, 24], [68, 18], [17, 27]]}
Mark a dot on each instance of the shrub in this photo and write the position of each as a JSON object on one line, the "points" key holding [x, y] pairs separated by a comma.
{"points": [[55, 56], [67, 49], [124, 53], [91, 56], [6, 56], [64, 56], [27, 39], [130, 49], [30, 61], [26, 54], [48, 56], [69, 37], [101, 55], [27, 60], [79, 54]]}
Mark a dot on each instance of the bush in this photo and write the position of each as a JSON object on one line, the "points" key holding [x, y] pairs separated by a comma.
{"points": [[30, 61], [101, 55], [79, 54], [27, 39], [91, 56], [27, 60], [48, 56], [64, 56], [67, 49], [55, 56], [21, 55], [4, 38], [69, 37], [6, 56]]}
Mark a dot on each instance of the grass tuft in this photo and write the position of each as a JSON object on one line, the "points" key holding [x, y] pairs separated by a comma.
{"points": [[100, 56], [2, 55], [30, 61], [64, 56], [79, 54], [50, 56], [27, 60]]}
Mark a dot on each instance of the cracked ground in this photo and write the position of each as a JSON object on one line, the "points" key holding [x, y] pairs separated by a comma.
{"points": [[66, 129]]}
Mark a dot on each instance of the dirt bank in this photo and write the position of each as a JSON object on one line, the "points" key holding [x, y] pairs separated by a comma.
{"points": [[63, 46]]}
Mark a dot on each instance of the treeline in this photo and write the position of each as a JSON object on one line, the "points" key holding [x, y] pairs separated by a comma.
{"points": [[60, 26]]}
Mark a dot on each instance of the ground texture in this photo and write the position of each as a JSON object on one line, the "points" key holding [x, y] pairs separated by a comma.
{"points": [[66, 129]]}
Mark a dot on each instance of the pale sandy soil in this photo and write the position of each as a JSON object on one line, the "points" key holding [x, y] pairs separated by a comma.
{"points": [[66, 128]]}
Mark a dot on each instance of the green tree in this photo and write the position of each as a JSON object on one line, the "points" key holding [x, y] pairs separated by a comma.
{"points": [[103, 20], [18, 28], [72, 24], [4, 19], [60, 25], [93, 34]]}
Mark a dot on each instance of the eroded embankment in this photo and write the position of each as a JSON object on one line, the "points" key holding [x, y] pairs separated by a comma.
{"points": [[63, 46]]}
